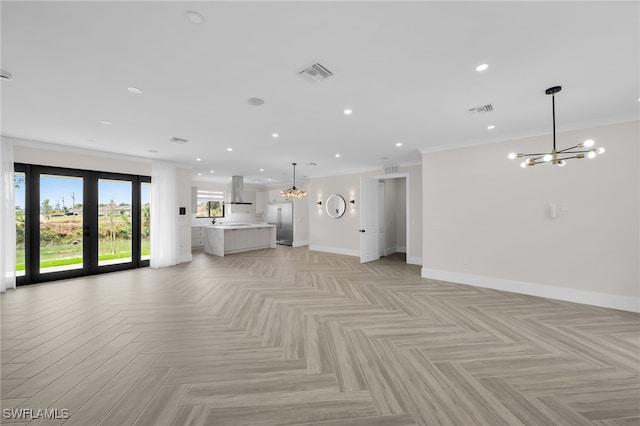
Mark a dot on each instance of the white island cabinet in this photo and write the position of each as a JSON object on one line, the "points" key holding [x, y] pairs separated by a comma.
{"points": [[234, 238]]}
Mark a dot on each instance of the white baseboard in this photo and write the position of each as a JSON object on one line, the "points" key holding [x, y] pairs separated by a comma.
{"points": [[300, 243], [390, 251], [185, 258], [414, 260], [335, 250], [401, 249], [624, 303]]}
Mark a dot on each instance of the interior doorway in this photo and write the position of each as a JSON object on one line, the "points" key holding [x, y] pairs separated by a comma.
{"points": [[385, 220], [393, 216]]}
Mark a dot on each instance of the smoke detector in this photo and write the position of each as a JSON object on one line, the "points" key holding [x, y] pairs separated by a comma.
{"points": [[482, 109], [178, 140], [315, 73], [255, 101]]}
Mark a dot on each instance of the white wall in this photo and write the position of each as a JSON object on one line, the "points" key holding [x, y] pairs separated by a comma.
{"points": [[334, 235], [183, 198], [301, 222], [486, 220], [43, 154], [341, 235]]}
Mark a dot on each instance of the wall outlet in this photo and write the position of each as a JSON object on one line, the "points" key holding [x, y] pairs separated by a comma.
{"points": [[465, 260]]}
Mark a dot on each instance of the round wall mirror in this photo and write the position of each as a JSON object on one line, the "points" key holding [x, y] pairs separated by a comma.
{"points": [[336, 206]]}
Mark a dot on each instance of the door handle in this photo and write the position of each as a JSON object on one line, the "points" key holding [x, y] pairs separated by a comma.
{"points": [[361, 230]]}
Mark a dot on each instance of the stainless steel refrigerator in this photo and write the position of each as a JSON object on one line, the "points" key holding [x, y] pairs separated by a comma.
{"points": [[281, 215]]}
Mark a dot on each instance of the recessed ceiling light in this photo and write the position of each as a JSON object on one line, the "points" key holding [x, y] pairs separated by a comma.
{"points": [[275, 135], [194, 17], [229, 149], [199, 174], [107, 123], [198, 159], [398, 143], [482, 67], [269, 179], [347, 112], [134, 90], [262, 170], [255, 101], [337, 155], [491, 127], [211, 171], [6, 75], [256, 180]]}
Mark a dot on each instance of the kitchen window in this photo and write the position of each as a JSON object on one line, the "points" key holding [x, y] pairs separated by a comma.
{"points": [[210, 204]]}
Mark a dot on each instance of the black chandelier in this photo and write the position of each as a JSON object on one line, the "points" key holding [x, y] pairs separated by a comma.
{"points": [[556, 156]]}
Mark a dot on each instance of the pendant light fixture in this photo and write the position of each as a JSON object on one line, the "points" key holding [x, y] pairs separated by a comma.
{"points": [[556, 156], [293, 192]]}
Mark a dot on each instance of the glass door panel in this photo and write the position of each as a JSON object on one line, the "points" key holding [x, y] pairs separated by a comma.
{"points": [[20, 198], [114, 222], [61, 223], [145, 220]]}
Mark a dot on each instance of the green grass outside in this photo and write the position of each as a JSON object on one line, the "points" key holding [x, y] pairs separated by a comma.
{"points": [[70, 254]]}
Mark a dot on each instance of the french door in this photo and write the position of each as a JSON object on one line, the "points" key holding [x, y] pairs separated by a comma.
{"points": [[72, 222]]}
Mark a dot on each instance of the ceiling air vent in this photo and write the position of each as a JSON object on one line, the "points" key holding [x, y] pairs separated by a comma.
{"points": [[178, 140], [480, 110], [316, 72], [390, 169]]}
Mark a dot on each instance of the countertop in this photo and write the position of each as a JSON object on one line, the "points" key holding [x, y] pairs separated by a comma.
{"points": [[240, 226]]}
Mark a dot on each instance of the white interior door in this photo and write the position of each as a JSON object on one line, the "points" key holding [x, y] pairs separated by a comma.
{"points": [[369, 220]]}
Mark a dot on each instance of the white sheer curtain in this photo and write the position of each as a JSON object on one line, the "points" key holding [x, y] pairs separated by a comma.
{"points": [[164, 214], [7, 218]]}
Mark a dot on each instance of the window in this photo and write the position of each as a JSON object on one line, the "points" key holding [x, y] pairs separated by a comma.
{"points": [[73, 222], [210, 203]]}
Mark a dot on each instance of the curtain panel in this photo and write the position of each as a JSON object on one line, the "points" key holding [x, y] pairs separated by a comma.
{"points": [[164, 214], [7, 218]]}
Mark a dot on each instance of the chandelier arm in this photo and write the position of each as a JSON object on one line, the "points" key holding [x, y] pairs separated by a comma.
{"points": [[567, 149], [573, 152], [569, 158], [540, 154]]}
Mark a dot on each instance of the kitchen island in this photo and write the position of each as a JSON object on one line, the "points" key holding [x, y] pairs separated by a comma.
{"points": [[237, 237]]}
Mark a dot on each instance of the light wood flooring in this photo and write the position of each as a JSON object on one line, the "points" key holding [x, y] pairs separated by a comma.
{"points": [[292, 336]]}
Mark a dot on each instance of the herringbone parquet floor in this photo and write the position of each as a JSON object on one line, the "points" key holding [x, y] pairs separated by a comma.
{"points": [[291, 336]]}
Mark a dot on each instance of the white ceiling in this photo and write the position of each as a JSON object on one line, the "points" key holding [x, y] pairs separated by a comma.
{"points": [[406, 69]]}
